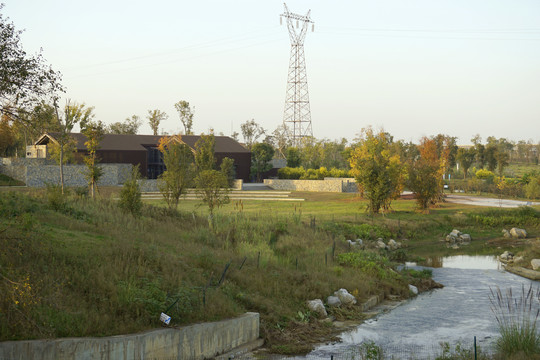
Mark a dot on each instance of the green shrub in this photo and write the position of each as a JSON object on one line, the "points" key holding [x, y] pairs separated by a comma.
{"points": [[130, 195], [532, 189], [484, 174], [55, 198], [353, 231]]}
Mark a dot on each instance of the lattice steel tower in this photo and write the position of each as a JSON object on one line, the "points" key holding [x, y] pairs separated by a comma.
{"points": [[297, 115]]}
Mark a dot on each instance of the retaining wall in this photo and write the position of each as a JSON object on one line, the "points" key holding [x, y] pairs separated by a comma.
{"points": [[200, 341], [326, 185], [151, 185], [40, 172]]}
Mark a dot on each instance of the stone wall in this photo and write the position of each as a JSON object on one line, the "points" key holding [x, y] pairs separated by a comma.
{"points": [[326, 185], [200, 341], [39, 172], [151, 185], [75, 175]]}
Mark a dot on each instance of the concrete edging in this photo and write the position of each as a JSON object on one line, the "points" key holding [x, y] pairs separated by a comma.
{"points": [[199, 341]]}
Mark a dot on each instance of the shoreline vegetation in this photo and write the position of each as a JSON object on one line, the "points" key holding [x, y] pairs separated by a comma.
{"points": [[72, 266]]}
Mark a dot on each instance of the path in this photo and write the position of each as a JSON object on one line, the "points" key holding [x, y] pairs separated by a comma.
{"points": [[482, 201]]}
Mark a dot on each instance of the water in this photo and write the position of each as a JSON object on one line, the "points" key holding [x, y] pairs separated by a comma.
{"points": [[454, 314]]}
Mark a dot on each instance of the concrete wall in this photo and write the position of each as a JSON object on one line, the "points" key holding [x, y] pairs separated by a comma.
{"points": [[326, 185], [200, 341]]}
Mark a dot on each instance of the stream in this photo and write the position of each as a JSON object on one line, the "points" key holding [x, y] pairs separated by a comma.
{"points": [[454, 314]]}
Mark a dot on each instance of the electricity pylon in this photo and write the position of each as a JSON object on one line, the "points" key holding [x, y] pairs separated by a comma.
{"points": [[297, 115]]}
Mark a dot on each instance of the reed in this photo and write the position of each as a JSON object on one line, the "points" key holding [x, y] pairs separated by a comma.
{"points": [[517, 316]]}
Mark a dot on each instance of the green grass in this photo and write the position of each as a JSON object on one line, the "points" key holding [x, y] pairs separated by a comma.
{"points": [[85, 268], [8, 181]]}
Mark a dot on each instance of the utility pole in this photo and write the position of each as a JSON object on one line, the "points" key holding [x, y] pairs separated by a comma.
{"points": [[297, 114]]}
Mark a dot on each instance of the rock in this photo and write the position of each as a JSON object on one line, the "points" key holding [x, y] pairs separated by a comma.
{"points": [[455, 233], [333, 301], [450, 238], [465, 238], [518, 233], [345, 297], [413, 289], [381, 244], [392, 244], [317, 306], [506, 233], [518, 259], [506, 256], [535, 263]]}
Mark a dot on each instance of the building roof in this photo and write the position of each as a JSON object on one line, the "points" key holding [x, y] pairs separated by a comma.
{"points": [[114, 142]]}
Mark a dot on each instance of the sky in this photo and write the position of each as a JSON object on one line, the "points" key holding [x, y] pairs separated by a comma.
{"points": [[414, 68]]}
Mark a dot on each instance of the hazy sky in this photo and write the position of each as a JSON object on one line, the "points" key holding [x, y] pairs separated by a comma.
{"points": [[413, 67]]}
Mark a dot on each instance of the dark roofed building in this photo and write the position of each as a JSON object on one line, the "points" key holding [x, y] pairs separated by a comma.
{"points": [[142, 150]]}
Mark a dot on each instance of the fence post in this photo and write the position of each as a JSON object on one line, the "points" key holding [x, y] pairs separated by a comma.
{"points": [[475, 358]]}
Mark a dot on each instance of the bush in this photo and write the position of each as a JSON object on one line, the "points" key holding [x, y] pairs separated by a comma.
{"points": [[484, 174], [532, 189], [130, 195], [55, 198]]}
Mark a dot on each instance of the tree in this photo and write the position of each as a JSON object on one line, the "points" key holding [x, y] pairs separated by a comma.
{"points": [[71, 115], [94, 133], [25, 80], [480, 150], [502, 161], [186, 115], [204, 153], [261, 154], [227, 168], [212, 189], [293, 157], [425, 174], [489, 154], [465, 158], [378, 172], [251, 131], [155, 117], [8, 141], [281, 140], [180, 169], [130, 126]]}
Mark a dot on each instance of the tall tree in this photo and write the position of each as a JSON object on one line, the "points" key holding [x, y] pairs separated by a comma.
{"points": [[180, 169], [71, 115], [465, 158], [377, 170], [186, 115], [261, 154], [204, 152], [155, 117], [94, 133], [281, 140], [130, 126], [425, 173], [251, 131], [25, 80], [212, 188]]}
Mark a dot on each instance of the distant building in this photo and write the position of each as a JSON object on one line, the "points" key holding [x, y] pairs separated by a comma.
{"points": [[142, 150]]}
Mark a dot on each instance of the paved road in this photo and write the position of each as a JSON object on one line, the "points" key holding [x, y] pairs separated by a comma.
{"points": [[482, 201]]}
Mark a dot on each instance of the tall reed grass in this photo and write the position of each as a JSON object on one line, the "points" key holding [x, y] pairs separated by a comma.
{"points": [[517, 318]]}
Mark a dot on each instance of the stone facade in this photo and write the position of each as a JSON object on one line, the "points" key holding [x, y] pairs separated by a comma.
{"points": [[40, 172], [347, 185], [151, 185]]}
